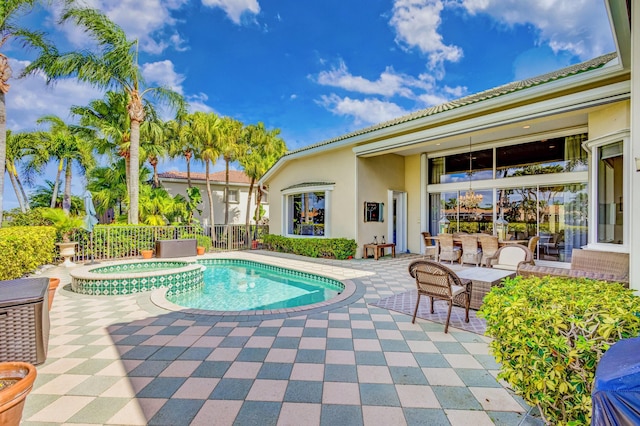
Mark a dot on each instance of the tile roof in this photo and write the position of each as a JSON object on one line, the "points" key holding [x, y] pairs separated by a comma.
{"points": [[472, 99], [235, 176]]}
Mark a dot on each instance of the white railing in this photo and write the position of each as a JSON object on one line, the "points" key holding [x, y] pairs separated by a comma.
{"points": [[117, 242]]}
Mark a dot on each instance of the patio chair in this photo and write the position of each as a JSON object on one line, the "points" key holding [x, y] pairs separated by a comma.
{"points": [[489, 245], [436, 281], [471, 253], [430, 248], [510, 257], [448, 251]]}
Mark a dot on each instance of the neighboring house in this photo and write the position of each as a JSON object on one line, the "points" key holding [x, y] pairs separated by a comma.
{"points": [[555, 156], [176, 183]]}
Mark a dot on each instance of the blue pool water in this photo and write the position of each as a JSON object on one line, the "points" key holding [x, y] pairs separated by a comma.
{"points": [[239, 285]]}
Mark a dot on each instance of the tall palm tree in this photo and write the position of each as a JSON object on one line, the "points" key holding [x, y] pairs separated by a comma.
{"points": [[230, 149], [70, 147], [116, 67], [263, 148], [10, 13], [179, 142], [19, 146], [204, 129], [153, 143]]}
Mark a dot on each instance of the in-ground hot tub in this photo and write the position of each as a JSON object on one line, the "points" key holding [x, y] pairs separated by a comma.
{"points": [[122, 278]]}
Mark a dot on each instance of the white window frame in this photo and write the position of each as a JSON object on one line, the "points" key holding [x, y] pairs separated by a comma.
{"points": [[592, 146], [327, 189], [237, 196]]}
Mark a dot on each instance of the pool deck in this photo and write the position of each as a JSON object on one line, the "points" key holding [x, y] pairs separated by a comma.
{"points": [[123, 360]]}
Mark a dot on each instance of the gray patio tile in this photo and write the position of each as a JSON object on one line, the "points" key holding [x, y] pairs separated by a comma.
{"points": [[477, 378], [176, 412], [36, 403], [385, 325], [94, 385], [487, 361], [219, 331], [339, 324], [332, 415], [231, 389], [234, 342], [168, 353], [340, 344], [126, 330], [456, 397], [408, 376], [294, 322], [267, 331], [99, 410], [360, 317], [314, 332], [379, 394], [133, 340], [414, 335], [199, 354], [465, 337], [431, 360], [394, 345], [286, 343], [90, 366], [340, 373], [503, 418], [304, 391], [211, 369], [450, 348], [149, 369], [364, 333], [258, 413], [140, 352], [370, 358], [275, 370], [425, 416], [161, 387], [253, 354], [314, 356]]}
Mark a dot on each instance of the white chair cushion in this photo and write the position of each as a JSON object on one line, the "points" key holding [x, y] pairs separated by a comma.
{"points": [[456, 289], [505, 267], [511, 256]]}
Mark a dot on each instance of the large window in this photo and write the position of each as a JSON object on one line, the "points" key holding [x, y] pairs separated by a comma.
{"points": [[307, 213], [610, 189]]}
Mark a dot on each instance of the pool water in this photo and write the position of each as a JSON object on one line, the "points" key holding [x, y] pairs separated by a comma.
{"points": [[247, 286]]}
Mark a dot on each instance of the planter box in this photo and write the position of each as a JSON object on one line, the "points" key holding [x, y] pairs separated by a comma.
{"points": [[176, 248]]}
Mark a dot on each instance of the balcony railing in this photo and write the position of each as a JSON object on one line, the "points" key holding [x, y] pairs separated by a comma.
{"points": [[120, 242]]}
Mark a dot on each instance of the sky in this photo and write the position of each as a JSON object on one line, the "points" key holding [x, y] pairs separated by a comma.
{"points": [[316, 69]]}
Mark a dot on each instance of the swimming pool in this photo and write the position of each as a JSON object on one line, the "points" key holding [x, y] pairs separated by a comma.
{"points": [[243, 285]]}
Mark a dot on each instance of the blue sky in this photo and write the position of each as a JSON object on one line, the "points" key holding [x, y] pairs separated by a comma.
{"points": [[319, 69]]}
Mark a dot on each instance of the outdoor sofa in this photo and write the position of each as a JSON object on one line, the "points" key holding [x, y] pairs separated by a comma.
{"points": [[597, 265]]}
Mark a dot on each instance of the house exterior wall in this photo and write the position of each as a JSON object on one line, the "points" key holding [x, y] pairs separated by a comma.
{"points": [[610, 119], [334, 166], [376, 176], [237, 211], [414, 207]]}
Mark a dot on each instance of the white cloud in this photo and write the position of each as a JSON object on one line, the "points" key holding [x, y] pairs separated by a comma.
{"points": [[235, 8], [30, 98], [416, 24], [198, 103], [580, 27], [364, 111], [163, 73], [388, 84]]}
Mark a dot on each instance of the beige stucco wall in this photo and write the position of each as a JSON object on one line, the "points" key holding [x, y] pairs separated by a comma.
{"points": [[610, 119], [237, 211], [412, 186], [377, 176], [336, 166]]}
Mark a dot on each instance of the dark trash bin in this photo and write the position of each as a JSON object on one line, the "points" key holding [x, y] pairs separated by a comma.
{"points": [[24, 320], [616, 390]]}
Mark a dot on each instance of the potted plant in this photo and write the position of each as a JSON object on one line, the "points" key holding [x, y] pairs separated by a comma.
{"points": [[16, 381], [204, 244], [53, 285], [64, 224]]}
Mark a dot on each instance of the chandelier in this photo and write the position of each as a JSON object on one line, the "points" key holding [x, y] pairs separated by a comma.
{"points": [[470, 200]]}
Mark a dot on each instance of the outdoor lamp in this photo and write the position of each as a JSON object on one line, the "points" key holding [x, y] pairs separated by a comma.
{"points": [[501, 227], [443, 225]]}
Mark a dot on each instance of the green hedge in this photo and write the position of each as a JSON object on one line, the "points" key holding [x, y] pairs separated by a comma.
{"points": [[549, 334], [337, 248], [24, 248]]}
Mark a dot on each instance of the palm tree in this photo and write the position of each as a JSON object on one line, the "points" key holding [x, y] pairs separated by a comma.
{"points": [[179, 143], [21, 146], [115, 66], [10, 12], [69, 145], [263, 149], [204, 129], [230, 148], [153, 143]]}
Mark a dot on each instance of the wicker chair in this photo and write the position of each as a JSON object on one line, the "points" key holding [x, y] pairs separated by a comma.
{"points": [[448, 251], [436, 281], [430, 249], [533, 244], [510, 257], [489, 244], [471, 253]]}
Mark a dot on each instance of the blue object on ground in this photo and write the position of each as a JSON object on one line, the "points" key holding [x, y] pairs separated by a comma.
{"points": [[616, 390]]}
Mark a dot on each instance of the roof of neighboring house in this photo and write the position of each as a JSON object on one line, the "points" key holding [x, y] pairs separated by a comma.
{"points": [[235, 176], [472, 99]]}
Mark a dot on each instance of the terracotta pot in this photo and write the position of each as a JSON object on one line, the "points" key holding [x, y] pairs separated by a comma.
{"points": [[53, 285], [146, 254], [200, 250], [12, 397], [254, 244]]}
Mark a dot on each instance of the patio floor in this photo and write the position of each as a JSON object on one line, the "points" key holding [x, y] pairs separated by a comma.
{"points": [[121, 360]]}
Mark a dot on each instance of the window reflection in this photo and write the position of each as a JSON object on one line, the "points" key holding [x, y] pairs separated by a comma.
{"points": [[306, 212], [610, 176]]}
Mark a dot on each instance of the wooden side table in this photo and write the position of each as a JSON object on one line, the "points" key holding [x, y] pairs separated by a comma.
{"points": [[378, 250]]}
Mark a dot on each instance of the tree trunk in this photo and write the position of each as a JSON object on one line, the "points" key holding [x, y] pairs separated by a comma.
{"points": [[226, 192], [210, 194], [3, 143], [12, 178], [54, 195], [24, 194], [187, 156], [258, 201], [127, 178], [136, 113], [66, 198], [248, 218]]}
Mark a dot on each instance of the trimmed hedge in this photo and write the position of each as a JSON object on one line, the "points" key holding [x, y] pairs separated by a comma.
{"points": [[335, 248], [549, 334], [24, 248]]}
